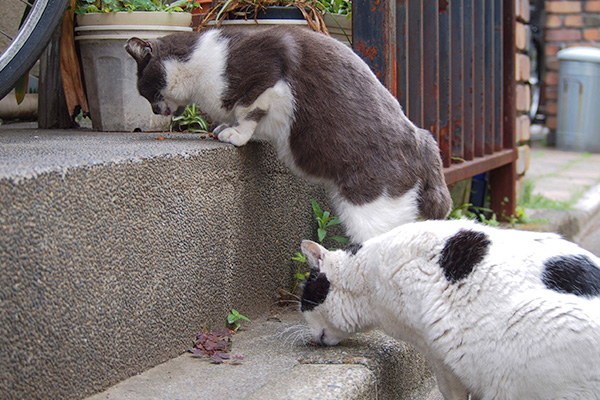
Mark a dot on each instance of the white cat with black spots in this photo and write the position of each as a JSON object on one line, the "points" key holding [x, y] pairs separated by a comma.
{"points": [[500, 314]]}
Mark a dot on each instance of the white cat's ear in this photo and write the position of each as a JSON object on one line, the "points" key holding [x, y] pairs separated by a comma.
{"points": [[139, 49], [313, 252]]}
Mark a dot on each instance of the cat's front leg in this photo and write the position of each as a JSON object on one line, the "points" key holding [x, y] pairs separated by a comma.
{"points": [[239, 134]]}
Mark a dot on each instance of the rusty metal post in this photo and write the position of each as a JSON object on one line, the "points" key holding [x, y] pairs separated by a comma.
{"points": [[374, 38], [503, 179]]}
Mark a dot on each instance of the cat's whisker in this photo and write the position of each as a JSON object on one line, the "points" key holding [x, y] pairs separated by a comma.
{"points": [[294, 334]]}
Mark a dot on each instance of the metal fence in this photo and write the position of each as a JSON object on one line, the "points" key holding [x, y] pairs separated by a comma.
{"points": [[451, 65]]}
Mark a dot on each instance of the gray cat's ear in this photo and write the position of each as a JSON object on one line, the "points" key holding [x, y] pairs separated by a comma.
{"points": [[139, 49], [313, 252]]}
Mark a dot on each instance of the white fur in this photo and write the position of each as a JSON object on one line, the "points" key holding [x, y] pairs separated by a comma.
{"points": [[499, 333], [278, 103], [207, 66], [366, 221]]}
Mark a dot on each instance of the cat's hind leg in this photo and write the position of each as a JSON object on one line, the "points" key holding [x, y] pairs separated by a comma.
{"points": [[365, 221], [448, 383]]}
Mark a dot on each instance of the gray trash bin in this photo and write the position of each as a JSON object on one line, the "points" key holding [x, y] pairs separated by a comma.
{"points": [[579, 100]]}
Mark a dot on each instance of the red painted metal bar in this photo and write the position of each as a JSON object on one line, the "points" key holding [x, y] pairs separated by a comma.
{"points": [[444, 83], [478, 79], [374, 38], [489, 76], [498, 75], [503, 180], [401, 54], [430, 67], [415, 61], [456, 78], [468, 72]]}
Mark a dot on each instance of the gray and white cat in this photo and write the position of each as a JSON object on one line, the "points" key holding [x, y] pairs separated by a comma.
{"points": [[329, 118], [500, 314]]}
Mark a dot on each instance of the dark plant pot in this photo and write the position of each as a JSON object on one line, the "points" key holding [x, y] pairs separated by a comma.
{"points": [[279, 12]]}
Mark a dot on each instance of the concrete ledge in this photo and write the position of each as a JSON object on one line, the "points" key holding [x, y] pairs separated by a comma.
{"points": [[116, 249], [365, 366]]}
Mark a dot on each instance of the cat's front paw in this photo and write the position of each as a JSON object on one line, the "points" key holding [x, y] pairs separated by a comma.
{"points": [[231, 135]]}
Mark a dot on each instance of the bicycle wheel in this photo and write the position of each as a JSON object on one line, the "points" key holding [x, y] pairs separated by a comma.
{"points": [[30, 42]]}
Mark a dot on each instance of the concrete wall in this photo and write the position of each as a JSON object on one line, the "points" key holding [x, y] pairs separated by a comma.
{"points": [[109, 269]]}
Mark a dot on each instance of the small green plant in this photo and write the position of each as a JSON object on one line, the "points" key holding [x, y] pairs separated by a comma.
{"points": [[324, 220], [234, 317], [337, 6], [191, 120], [529, 200], [467, 210], [106, 6]]}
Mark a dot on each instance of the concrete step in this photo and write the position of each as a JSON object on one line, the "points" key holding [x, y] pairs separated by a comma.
{"points": [[276, 366], [116, 249]]}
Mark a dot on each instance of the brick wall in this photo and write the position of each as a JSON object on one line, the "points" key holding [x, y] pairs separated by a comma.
{"points": [[523, 94], [568, 23]]}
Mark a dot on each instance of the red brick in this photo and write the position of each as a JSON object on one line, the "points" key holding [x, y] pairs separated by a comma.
{"points": [[573, 21], [551, 93], [552, 64], [520, 36], [522, 97], [551, 122], [554, 21], [563, 35], [522, 10], [592, 6], [551, 78], [522, 68], [563, 7], [591, 35], [551, 107], [552, 50]]}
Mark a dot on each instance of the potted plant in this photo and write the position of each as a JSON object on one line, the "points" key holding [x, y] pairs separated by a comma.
{"points": [[338, 19], [333, 17], [102, 29], [265, 13]]}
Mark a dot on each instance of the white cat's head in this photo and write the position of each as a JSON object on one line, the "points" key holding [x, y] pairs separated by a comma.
{"points": [[332, 301]]}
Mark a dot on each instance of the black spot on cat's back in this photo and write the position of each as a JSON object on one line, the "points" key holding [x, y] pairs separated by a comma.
{"points": [[462, 252], [315, 291], [574, 274], [353, 248]]}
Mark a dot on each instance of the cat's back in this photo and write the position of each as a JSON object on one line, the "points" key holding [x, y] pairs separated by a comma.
{"points": [[517, 313]]}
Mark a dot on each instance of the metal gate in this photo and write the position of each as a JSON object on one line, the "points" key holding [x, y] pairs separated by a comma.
{"points": [[451, 65]]}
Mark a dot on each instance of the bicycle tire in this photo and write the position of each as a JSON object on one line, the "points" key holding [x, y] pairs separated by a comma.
{"points": [[30, 42]]}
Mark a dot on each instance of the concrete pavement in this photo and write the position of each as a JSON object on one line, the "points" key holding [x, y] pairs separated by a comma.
{"points": [[565, 192]]}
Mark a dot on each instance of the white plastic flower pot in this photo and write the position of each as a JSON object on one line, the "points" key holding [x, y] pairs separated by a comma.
{"points": [[111, 74]]}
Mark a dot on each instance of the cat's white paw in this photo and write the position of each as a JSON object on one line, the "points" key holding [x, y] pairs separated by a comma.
{"points": [[237, 136]]}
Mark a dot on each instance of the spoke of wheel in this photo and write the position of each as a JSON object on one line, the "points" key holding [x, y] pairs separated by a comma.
{"points": [[26, 3], [6, 34]]}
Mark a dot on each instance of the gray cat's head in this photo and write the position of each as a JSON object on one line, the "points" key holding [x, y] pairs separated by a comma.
{"points": [[332, 302], [150, 56]]}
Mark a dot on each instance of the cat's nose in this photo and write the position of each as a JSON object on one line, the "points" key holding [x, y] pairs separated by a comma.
{"points": [[156, 109]]}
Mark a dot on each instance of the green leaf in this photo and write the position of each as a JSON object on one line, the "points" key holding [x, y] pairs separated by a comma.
{"points": [[21, 88], [299, 257], [333, 221], [321, 233], [340, 239], [316, 209], [300, 276]]}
